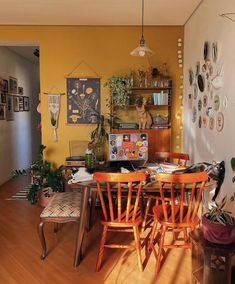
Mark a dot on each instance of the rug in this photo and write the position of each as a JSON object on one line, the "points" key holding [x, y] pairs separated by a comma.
{"points": [[20, 195]]}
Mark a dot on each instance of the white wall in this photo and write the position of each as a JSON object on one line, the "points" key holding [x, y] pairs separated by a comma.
{"points": [[205, 144], [19, 139]]}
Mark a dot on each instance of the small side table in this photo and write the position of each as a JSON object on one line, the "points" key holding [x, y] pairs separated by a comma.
{"points": [[211, 263]]}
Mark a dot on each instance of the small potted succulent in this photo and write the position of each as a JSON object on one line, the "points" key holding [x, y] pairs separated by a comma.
{"points": [[45, 179], [218, 224]]}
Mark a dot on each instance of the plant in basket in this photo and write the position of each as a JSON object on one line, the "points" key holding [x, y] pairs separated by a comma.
{"points": [[45, 179], [218, 224]]}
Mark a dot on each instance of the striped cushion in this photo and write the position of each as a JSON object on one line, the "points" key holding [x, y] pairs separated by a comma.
{"points": [[65, 204]]}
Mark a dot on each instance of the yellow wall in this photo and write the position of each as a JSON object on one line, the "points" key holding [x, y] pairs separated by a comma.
{"points": [[106, 50]]}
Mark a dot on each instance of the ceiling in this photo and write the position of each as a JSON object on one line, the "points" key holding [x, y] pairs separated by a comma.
{"points": [[95, 12], [26, 52]]}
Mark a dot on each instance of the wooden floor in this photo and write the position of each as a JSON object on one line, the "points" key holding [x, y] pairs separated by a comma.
{"points": [[20, 252]]}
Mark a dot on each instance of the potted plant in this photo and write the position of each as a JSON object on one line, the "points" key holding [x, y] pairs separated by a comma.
{"points": [[119, 87], [45, 179], [218, 224], [98, 137]]}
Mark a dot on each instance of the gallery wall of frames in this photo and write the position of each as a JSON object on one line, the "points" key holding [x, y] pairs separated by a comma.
{"points": [[12, 98]]}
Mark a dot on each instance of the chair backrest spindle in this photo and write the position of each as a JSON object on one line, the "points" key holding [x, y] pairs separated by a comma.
{"points": [[173, 188], [121, 206]]}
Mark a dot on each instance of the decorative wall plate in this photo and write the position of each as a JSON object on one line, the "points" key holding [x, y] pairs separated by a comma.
{"points": [[209, 111], [201, 82], [204, 120], [190, 101], [195, 91], [206, 50], [199, 105], [216, 102], [194, 118], [214, 51], [205, 100], [197, 68], [204, 68], [210, 68], [190, 76], [225, 101], [217, 82], [211, 123], [200, 121], [219, 121]]}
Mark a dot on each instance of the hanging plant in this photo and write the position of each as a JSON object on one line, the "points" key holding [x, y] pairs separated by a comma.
{"points": [[119, 87]]}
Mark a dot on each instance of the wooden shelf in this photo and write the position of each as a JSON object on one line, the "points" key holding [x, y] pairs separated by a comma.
{"points": [[151, 106], [150, 88]]}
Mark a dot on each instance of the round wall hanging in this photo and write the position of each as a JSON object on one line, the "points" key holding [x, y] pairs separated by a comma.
{"points": [[225, 101], [200, 122], [214, 51], [197, 68], [206, 50], [219, 121], [216, 103], [204, 120], [209, 111], [190, 101], [190, 75], [199, 105], [204, 68], [195, 91], [210, 70], [217, 82], [211, 123], [205, 100], [200, 82], [194, 114]]}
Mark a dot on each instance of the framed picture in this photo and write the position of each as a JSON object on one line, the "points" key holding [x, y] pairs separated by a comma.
{"points": [[83, 100], [9, 108], [21, 103], [5, 86], [3, 98], [16, 103], [20, 91], [26, 103], [13, 85], [2, 112]]}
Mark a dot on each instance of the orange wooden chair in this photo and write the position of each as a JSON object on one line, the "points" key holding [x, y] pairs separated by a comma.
{"points": [[172, 213], [171, 157], [120, 214]]}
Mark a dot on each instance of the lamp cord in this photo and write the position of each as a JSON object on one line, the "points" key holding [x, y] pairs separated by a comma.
{"points": [[142, 19]]}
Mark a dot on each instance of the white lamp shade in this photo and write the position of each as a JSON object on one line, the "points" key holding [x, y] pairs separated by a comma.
{"points": [[142, 51]]}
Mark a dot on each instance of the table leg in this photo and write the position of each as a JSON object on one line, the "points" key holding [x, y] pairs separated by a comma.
{"points": [[82, 224]]}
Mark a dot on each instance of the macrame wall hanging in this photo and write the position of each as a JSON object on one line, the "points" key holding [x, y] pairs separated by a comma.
{"points": [[54, 110]]}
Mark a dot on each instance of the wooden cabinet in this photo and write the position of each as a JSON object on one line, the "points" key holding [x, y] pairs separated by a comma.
{"points": [[159, 139], [159, 136]]}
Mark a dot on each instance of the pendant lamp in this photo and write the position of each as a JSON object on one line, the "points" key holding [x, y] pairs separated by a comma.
{"points": [[142, 49]]}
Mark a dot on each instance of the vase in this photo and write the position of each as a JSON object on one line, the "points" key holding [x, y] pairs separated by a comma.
{"points": [[215, 232], [44, 196]]}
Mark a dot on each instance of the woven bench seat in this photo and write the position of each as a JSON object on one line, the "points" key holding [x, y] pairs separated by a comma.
{"points": [[65, 204], [63, 208]]}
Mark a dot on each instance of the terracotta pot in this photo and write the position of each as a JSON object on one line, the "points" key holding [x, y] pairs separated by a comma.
{"points": [[44, 196], [218, 233]]}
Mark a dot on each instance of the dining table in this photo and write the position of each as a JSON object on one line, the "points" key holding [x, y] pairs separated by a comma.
{"points": [[89, 197]]}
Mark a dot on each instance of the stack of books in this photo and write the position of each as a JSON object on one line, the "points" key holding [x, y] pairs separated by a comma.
{"points": [[160, 98]]}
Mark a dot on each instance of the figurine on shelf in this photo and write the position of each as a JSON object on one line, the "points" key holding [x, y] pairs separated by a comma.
{"points": [[145, 119], [141, 75]]}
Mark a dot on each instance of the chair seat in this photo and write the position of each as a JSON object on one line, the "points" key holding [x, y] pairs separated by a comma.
{"points": [[65, 204]]}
